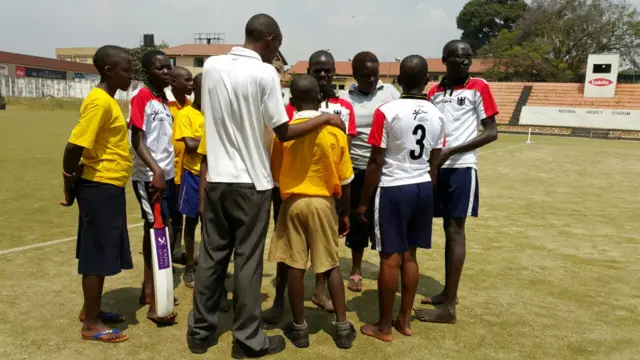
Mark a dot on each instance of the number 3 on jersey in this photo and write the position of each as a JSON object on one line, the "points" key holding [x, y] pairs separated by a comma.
{"points": [[420, 133]]}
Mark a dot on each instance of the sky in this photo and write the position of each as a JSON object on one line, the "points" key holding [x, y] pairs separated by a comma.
{"points": [[388, 28]]}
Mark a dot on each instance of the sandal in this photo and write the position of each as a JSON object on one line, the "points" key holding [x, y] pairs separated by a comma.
{"points": [[98, 336], [355, 283]]}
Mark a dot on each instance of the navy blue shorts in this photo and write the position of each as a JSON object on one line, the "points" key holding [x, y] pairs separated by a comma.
{"points": [[189, 195], [403, 216], [141, 189], [457, 194]]}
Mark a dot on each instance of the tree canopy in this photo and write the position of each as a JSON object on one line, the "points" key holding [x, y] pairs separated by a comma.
{"points": [[554, 38], [482, 20]]}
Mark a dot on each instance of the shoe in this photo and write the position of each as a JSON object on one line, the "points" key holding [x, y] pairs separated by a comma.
{"points": [[276, 345], [345, 334], [299, 338], [189, 276], [200, 347], [179, 258]]}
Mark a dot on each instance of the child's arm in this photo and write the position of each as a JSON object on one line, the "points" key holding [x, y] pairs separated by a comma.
{"points": [[345, 174], [191, 144], [71, 171], [158, 181], [378, 141], [185, 134], [204, 167]]}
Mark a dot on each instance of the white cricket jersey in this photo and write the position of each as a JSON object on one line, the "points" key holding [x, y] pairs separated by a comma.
{"points": [[336, 106], [364, 106], [149, 112], [464, 107], [242, 103], [408, 129]]}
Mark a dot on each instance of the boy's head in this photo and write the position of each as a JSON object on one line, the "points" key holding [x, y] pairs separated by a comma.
{"points": [[157, 67], [305, 93], [322, 67], [114, 65], [197, 88], [262, 33], [457, 56], [413, 73], [366, 71], [181, 81]]}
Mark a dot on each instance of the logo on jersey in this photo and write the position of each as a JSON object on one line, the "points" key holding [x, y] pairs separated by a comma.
{"points": [[155, 113], [337, 112], [461, 101], [418, 112]]}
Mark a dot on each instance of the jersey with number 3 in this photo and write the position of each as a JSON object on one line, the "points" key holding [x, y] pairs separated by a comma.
{"points": [[408, 129]]}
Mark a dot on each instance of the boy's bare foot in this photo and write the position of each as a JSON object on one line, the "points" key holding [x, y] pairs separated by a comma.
{"points": [[273, 315], [89, 332], [443, 315], [323, 302], [435, 300], [402, 327], [375, 331]]}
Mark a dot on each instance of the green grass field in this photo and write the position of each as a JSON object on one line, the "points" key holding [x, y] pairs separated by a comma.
{"points": [[552, 264]]}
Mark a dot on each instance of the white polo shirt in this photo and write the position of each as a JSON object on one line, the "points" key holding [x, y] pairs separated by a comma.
{"points": [[408, 129], [242, 103], [364, 106]]}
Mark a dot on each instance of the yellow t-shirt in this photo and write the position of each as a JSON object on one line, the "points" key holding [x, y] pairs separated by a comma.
{"points": [[102, 132], [317, 164], [178, 147], [190, 124]]}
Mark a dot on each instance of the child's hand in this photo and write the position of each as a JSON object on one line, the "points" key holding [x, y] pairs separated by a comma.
{"points": [[68, 197], [344, 225], [362, 213], [336, 121], [157, 186]]}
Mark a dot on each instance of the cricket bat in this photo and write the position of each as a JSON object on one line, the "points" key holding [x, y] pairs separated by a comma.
{"points": [[161, 261]]}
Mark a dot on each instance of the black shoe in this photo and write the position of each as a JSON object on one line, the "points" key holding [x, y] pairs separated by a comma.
{"points": [[179, 259], [276, 345], [189, 276], [299, 338], [344, 336], [200, 347]]}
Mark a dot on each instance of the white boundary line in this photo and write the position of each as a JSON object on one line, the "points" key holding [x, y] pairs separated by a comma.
{"points": [[60, 241], [53, 242]]}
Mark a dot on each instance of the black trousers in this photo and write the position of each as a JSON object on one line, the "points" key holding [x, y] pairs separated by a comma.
{"points": [[235, 220]]}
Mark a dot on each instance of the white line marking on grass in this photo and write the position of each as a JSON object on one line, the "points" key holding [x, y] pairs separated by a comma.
{"points": [[48, 243], [500, 149]]}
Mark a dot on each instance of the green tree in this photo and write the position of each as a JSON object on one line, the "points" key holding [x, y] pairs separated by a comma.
{"points": [[553, 40], [482, 20], [136, 54]]}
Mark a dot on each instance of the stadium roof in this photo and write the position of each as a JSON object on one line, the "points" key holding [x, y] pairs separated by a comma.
{"points": [[46, 63], [205, 50], [390, 68]]}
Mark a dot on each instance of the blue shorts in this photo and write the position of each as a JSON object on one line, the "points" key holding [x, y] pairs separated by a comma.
{"points": [[141, 189], [457, 194], [189, 195], [402, 217]]}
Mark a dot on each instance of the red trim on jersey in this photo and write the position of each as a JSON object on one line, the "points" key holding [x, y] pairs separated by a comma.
{"points": [[488, 102], [138, 104], [351, 127], [377, 128], [291, 111]]}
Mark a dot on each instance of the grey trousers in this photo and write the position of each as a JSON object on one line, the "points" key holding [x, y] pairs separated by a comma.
{"points": [[236, 218]]}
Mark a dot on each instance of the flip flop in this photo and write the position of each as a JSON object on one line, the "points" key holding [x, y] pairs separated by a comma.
{"points": [[98, 336], [355, 283]]}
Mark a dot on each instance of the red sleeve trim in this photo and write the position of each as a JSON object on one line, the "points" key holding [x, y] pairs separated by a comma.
{"points": [[137, 104], [488, 102], [433, 91], [377, 128], [351, 127], [291, 110]]}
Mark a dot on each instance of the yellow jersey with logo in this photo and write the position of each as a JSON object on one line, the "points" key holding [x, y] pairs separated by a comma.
{"points": [[317, 164], [178, 147], [190, 124], [102, 132]]}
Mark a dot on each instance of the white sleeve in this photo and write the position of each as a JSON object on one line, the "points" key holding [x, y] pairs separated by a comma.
{"points": [[273, 108]]}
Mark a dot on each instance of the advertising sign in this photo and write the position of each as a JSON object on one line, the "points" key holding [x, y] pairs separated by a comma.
{"points": [[45, 73], [601, 75], [619, 119], [20, 71]]}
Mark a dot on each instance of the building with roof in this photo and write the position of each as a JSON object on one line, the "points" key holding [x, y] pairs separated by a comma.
{"points": [[76, 54], [193, 56], [389, 71], [27, 66]]}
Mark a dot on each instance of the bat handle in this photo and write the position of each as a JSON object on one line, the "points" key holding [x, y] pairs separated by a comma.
{"points": [[157, 216]]}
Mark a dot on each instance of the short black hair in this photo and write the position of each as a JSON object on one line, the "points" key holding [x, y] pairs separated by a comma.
{"points": [[178, 69], [413, 71], [147, 58], [261, 26], [198, 77], [320, 54], [361, 59], [452, 46], [305, 88], [106, 54]]}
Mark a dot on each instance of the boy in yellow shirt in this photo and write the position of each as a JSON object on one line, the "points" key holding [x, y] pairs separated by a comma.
{"points": [[101, 140], [312, 172], [177, 99], [189, 130]]}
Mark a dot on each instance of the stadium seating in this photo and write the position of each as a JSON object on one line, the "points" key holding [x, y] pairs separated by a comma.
{"points": [[571, 95]]}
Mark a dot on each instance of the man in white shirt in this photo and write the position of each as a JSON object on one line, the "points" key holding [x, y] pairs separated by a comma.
{"points": [[242, 105], [466, 103]]}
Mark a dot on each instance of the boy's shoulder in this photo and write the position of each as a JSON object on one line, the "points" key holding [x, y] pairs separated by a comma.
{"points": [[97, 97]]}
